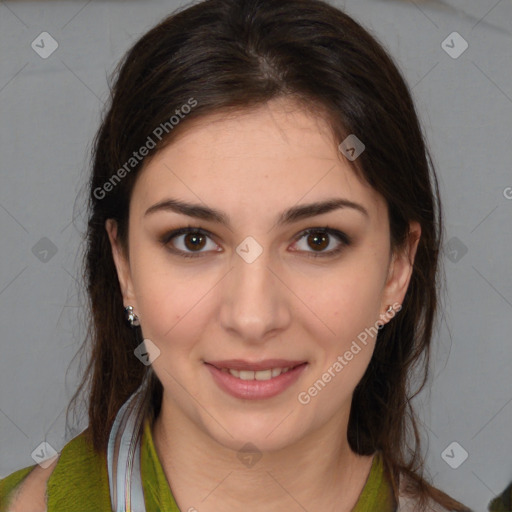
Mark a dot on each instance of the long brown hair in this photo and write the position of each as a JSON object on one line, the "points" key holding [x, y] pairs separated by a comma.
{"points": [[220, 55]]}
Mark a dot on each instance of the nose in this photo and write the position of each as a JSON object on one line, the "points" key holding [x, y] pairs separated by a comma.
{"points": [[255, 304]]}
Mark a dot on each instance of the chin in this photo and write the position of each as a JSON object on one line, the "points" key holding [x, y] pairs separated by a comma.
{"points": [[266, 435]]}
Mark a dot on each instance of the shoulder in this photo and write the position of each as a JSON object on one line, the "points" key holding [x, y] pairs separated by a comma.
{"points": [[29, 493], [78, 474]]}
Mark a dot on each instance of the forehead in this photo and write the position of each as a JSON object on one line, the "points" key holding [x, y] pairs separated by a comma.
{"points": [[279, 152]]}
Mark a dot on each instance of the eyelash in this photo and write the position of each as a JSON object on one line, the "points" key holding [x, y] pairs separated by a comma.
{"points": [[343, 238]]}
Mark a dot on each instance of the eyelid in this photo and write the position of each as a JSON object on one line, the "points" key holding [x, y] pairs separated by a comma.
{"points": [[340, 235], [168, 236], [342, 238]]}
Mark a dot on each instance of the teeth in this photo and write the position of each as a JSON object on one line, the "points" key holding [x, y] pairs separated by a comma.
{"points": [[259, 375], [246, 375], [263, 375], [276, 372]]}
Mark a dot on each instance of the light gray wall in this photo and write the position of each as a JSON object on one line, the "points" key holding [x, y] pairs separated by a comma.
{"points": [[49, 111]]}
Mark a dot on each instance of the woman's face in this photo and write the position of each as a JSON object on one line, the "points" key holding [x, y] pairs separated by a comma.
{"points": [[254, 290]]}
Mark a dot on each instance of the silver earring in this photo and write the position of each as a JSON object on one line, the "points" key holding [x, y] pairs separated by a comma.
{"points": [[132, 318], [390, 308]]}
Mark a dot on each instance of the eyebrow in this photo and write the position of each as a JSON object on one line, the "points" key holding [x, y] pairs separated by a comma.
{"points": [[289, 216]]}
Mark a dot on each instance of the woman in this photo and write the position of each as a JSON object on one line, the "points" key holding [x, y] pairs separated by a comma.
{"points": [[264, 215]]}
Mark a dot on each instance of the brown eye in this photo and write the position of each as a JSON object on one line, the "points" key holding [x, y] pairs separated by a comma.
{"points": [[189, 242], [318, 240], [194, 241]]}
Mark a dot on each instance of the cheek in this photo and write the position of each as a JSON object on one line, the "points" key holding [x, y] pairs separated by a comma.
{"points": [[175, 305], [347, 307], [348, 301]]}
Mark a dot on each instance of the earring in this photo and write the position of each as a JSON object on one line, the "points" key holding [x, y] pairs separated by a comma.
{"points": [[391, 309], [132, 318]]}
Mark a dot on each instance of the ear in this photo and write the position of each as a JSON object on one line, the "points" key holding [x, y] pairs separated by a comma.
{"points": [[122, 264], [400, 268]]}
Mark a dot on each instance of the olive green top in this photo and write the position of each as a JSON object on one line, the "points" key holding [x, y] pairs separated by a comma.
{"points": [[79, 482]]}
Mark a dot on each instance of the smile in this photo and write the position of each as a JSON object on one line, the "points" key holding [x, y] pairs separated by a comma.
{"points": [[256, 375], [263, 382]]}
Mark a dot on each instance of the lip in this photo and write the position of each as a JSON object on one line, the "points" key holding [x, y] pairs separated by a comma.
{"points": [[255, 389], [240, 364]]}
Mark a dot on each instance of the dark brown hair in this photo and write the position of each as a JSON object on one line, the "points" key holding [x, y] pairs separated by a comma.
{"points": [[221, 55]]}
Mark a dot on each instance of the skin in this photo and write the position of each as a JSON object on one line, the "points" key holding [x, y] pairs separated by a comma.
{"points": [[286, 304], [30, 495]]}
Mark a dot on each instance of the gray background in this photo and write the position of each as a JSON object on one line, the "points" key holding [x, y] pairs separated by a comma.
{"points": [[50, 109]]}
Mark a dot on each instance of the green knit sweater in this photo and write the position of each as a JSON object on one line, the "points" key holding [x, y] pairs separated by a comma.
{"points": [[79, 482]]}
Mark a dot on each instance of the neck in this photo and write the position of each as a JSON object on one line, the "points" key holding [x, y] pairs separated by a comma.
{"points": [[320, 472]]}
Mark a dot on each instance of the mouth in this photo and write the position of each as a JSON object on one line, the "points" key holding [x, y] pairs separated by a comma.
{"points": [[263, 370], [247, 380], [271, 373]]}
